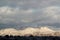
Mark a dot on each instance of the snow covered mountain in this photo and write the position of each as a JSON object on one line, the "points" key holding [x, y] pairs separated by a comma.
{"points": [[46, 30], [27, 31]]}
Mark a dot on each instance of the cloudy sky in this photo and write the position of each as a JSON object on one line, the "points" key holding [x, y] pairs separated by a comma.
{"points": [[29, 13]]}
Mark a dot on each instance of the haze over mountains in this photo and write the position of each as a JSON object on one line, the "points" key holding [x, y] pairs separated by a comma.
{"points": [[42, 31]]}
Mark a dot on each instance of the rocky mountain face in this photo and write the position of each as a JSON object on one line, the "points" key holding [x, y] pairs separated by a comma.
{"points": [[42, 31]]}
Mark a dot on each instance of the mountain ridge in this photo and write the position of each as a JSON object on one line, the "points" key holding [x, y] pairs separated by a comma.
{"points": [[29, 31]]}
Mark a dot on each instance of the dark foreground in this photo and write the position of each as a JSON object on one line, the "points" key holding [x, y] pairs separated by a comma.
{"points": [[29, 38]]}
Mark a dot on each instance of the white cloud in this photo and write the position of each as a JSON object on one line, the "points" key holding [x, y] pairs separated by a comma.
{"points": [[10, 10], [52, 12], [14, 14], [27, 20], [7, 10], [48, 15]]}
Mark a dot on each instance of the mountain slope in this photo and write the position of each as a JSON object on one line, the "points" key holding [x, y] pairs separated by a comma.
{"points": [[27, 31], [46, 30]]}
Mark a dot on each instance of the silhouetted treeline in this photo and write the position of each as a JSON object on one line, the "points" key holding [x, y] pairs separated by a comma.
{"points": [[29, 37]]}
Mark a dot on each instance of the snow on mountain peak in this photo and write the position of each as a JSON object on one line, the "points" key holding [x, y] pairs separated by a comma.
{"points": [[46, 29], [33, 31]]}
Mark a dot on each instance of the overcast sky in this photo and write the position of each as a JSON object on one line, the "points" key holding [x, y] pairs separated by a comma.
{"points": [[29, 13]]}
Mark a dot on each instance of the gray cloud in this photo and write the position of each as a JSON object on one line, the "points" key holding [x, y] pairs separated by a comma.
{"points": [[30, 12]]}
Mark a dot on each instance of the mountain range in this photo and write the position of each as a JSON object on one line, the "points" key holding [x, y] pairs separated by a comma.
{"points": [[42, 31]]}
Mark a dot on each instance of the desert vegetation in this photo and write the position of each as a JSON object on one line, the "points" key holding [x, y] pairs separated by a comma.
{"points": [[31, 37]]}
